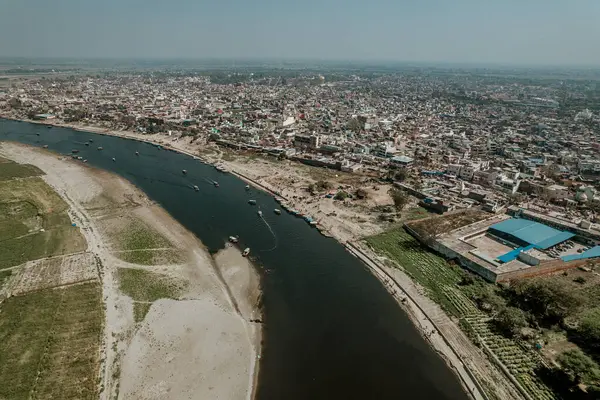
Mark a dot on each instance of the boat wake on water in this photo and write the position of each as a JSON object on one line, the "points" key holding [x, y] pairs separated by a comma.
{"points": [[272, 233]]}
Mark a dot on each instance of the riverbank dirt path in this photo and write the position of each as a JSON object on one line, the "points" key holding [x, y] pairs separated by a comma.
{"points": [[199, 345]]}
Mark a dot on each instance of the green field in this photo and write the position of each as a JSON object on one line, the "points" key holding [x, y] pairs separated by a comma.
{"points": [[444, 283], [10, 170], [33, 220], [50, 344], [145, 287]]}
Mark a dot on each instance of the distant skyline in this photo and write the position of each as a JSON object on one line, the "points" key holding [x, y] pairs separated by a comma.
{"points": [[506, 32]]}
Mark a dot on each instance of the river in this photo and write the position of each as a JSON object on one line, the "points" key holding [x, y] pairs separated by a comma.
{"points": [[331, 330]]}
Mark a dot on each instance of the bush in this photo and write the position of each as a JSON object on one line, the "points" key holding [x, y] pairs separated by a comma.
{"points": [[510, 321], [579, 367], [580, 279]]}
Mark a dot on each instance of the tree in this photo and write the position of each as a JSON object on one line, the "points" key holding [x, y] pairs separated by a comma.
{"points": [[546, 299], [401, 175], [510, 321], [589, 329], [578, 366], [400, 198]]}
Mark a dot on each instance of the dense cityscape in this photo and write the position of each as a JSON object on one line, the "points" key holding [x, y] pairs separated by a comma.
{"points": [[496, 170]]}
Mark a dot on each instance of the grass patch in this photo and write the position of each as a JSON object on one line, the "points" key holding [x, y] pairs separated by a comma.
{"points": [[57, 241], [50, 343], [143, 285], [151, 257], [139, 236], [35, 191], [4, 275], [140, 310], [11, 170]]}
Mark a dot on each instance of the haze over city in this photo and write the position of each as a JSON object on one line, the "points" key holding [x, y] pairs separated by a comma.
{"points": [[465, 31]]}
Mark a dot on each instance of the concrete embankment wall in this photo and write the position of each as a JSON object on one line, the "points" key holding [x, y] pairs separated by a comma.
{"points": [[544, 268]]}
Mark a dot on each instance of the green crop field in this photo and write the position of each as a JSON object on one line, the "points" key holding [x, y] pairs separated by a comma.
{"points": [[33, 220], [145, 287], [50, 344], [10, 170], [441, 280]]}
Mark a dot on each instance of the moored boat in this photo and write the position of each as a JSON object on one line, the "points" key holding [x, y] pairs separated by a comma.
{"points": [[233, 239], [184, 171], [252, 202], [100, 148], [45, 146], [247, 187], [277, 211], [246, 251], [196, 188]]}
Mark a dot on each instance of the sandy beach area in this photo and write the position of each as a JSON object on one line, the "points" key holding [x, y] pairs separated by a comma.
{"points": [[200, 344]]}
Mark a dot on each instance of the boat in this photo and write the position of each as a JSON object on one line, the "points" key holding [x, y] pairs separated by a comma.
{"points": [[247, 187], [220, 168], [196, 188], [259, 213], [277, 211], [49, 127], [184, 171], [74, 151], [246, 251], [45, 146], [91, 140], [84, 160], [114, 159], [80, 158], [100, 148], [37, 134], [87, 144], [137, 153], [252, 202], [216, 183], [233, 239]]}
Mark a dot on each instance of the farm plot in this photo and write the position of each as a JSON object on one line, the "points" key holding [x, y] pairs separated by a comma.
{"points": [[136, 242], [441, 282], [53, 272], [34, 223], [145, 287], [50, 343]]}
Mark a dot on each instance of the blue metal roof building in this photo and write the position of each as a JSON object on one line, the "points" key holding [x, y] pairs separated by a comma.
{"points": [[525, 232], [593, 252]]}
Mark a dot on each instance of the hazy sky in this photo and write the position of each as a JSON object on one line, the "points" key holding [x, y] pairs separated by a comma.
{"points": [[480, 31]]}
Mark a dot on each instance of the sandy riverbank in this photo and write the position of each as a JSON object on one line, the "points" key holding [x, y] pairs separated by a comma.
{"points": [[165, 355]]}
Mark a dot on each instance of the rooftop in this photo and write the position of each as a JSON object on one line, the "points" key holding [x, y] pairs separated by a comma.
{"points": [[531, 232]]}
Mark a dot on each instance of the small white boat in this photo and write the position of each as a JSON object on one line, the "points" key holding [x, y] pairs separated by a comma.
{"points": [[259, 213], [252, 202], [45, 146], [246, 251], [114, 159], [277, 211], [216, 183], [137, 153], [100, 148], [233, 239], [196, 188], [247, 187], [184, 171]]}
